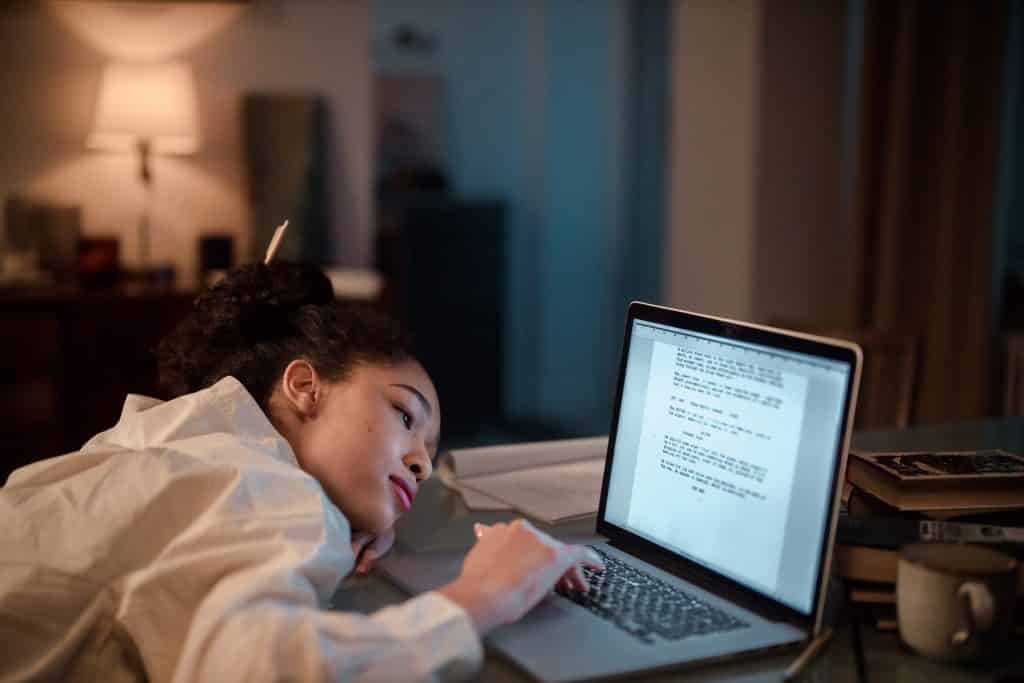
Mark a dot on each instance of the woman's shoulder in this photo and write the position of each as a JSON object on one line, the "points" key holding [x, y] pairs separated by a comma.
{"points": [[222, 422], [212, 453], [218, 433], [213, 479]]}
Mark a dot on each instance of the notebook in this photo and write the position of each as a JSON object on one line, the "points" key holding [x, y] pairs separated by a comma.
{"points": [[718, 505]]}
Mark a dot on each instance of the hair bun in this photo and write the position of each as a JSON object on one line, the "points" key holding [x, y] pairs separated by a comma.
{"points": [[291, 285], [255, 302]]}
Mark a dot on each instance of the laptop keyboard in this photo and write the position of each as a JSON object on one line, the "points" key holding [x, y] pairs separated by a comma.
{"points": [[645, 607]]}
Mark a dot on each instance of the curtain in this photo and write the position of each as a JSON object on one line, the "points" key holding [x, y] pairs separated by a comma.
{"points": [[924, 190]]}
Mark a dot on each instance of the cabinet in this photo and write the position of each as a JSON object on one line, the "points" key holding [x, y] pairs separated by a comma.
{"points": [[69, 357]]}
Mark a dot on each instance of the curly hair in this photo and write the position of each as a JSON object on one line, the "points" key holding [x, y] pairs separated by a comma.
{"points": [[259, 318]]}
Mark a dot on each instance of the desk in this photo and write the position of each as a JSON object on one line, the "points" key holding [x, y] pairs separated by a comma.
{"points": [[440, 521]]}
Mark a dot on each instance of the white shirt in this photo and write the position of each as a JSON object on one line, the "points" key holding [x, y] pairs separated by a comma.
{"points": [[186, 544]]}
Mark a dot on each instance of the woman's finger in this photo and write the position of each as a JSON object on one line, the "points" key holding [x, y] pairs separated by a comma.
{"points": [[367, 561], [382, 542], [588, 557], [577, 580], [371, 548], [360, 539], [479, 529]]}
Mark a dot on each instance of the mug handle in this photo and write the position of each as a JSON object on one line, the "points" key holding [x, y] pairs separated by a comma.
{"points": [[977, 610]]}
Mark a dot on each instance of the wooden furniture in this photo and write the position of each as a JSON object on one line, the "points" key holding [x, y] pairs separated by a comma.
{"points": [[69, 357], [888, 378]]}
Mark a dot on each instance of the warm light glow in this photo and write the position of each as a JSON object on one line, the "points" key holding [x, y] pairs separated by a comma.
{"points": [[153, 102], [144, 31], [191, 197]]}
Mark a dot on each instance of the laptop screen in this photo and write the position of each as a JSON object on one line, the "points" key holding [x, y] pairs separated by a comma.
{"points": [[724, 453]]}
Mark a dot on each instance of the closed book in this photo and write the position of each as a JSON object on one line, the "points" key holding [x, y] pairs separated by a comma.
{"points": [[866, 593], [862, 503], [879, 565], [863, 563], [874, 604]]}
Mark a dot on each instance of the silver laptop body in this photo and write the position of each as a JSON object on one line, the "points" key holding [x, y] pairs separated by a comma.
{"points": [[722, 482]]}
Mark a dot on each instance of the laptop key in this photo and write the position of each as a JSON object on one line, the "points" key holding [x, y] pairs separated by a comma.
{"points": [[645, 606]]}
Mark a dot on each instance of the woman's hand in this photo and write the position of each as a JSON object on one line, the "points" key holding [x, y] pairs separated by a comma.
{"points": [[368, 548], [511, 569]]}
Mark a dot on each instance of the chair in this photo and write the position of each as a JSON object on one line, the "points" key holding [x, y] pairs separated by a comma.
{"points": [[889, 376]]}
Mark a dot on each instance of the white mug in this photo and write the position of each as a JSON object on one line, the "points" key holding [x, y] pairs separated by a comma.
{"points": [[955, 602]]}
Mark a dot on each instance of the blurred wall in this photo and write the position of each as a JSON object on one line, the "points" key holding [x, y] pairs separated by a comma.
{"points": [[542, 108], [710, 257], [806, 256], [490, 61], [51, 55], [757, 229], [584, 210]]}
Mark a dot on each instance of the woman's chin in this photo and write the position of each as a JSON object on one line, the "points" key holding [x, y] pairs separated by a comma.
{"points": [[381, 522]]}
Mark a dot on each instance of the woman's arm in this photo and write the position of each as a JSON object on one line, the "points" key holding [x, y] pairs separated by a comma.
{"points": [[511, 568], [264, 624]]}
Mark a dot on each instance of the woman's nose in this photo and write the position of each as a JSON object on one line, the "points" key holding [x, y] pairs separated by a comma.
{"points": [[418, 462]]}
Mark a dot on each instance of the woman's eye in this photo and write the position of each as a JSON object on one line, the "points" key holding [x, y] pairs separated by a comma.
{"points": [[406, 417]]}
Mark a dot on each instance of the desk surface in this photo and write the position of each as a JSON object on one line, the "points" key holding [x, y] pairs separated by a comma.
{"points": [[440, 521]]}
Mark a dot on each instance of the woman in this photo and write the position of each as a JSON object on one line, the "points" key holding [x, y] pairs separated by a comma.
{"points": [[200, 538]]}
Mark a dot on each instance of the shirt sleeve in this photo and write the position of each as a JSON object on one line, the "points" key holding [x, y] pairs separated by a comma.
{"points": [[187, 545], [260, 583], [264, 623], [240, 594]]}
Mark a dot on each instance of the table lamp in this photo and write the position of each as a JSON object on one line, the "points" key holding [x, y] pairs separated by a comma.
{"points": [[149, 108]]}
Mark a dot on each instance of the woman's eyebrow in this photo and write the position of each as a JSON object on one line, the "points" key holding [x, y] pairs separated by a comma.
{"points": [[423, 399]]}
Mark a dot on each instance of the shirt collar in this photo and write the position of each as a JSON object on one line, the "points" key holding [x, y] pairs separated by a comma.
{"points": [[224, 407]]}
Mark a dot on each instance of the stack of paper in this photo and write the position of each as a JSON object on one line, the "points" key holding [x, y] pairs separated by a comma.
{"points": [[552, 481]]}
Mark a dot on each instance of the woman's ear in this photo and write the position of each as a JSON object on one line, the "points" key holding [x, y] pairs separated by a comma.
{"points": [[301, 388]]}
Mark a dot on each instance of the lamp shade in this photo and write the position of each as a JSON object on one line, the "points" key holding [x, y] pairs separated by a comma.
{"points": [[146, 102]]}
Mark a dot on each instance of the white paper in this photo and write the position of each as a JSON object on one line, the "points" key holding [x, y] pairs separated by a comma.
{"points": [[547, 480], [719, 450], [481, 501], [474, 499], [552, 493], [472, 462]]}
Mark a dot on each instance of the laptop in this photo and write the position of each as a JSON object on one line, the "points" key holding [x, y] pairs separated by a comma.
{"points": [[718, 507]]}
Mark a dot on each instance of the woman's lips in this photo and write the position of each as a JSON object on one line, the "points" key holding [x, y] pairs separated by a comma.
{"points": [[404, 499]]}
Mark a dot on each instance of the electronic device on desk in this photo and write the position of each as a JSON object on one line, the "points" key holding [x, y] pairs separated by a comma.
{"points": [[700, 564]]}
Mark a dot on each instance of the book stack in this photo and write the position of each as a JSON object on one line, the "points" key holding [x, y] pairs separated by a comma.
{"points": [[896, 498]]}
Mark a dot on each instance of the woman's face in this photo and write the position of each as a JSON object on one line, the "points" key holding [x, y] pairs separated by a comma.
{"points": [[370, 441]]}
